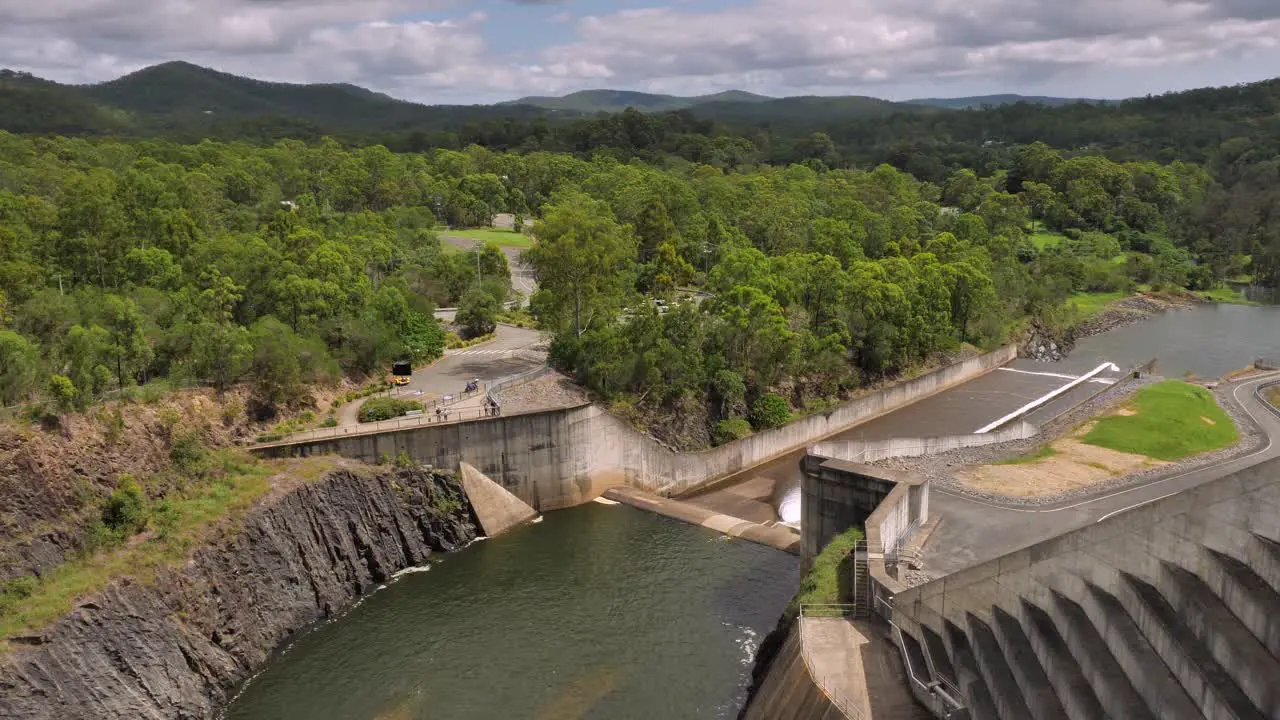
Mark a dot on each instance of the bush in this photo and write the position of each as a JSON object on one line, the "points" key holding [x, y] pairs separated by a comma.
{"points": [[187, 451], [770, 411], [15, 591], [62, 392], [125, 511], [386, 409], [329, 422], [732, 429]]}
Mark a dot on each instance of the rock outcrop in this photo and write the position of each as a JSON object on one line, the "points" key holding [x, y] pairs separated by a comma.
{"points": [[179, 647], [1046, 344]]}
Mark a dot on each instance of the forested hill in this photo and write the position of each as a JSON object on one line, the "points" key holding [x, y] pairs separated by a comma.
{"points": [[592, 101], [981, 101]]}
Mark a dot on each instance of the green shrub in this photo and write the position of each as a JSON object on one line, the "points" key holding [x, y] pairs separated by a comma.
{"points": [[62, 392], [15, 591], [187, 451], [269, 437], [732, 429], [165, 519], [125, 511], [386, 409], [770, 411], [329, 422]]}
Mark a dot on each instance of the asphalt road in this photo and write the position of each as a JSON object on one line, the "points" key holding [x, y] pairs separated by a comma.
{"points": [[507, 354], [972, 531]]}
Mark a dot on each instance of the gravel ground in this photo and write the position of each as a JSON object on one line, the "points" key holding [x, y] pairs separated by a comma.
{"points": [[549, 392], [942, 468]]}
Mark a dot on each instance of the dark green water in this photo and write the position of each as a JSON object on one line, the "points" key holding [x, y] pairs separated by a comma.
{"points": [[598, 613]]}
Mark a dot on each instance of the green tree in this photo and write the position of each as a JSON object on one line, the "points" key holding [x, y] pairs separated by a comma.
{"points": [[579, 261], [127, 351], [62, 392], [19, 365], [477, 314]]}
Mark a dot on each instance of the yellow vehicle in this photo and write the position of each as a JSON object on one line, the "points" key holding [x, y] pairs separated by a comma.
{"points": [[401, 373]]}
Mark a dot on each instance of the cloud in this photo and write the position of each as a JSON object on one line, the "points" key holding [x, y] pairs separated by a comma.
{"points": [[775, 46], [840, 43]]}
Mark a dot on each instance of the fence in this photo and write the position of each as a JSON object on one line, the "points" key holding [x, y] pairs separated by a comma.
{"points": [[851, 708], [502, 383], [446, 416]]}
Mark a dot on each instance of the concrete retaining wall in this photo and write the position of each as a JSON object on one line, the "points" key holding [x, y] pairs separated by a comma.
{"points": [[564, 457], [836, 495], [789, 692], [867, 451]]}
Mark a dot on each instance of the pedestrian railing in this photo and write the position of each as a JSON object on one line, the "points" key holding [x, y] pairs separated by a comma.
{"points": [[852, 709], [446, 416]]}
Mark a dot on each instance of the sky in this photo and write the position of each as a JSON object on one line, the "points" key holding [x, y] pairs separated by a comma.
{"points": [[480, 51]]}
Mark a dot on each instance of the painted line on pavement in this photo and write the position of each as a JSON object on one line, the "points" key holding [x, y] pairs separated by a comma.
{"points": [[1143, 486], [1103, 381], [1045, 398]]}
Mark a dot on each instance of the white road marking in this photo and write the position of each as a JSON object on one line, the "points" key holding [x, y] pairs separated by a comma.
{"points": [[1045, 398], [1103, 381], [1133, 507], [1143, 486]]}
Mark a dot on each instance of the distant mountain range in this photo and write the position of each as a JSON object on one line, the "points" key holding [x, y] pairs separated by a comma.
{"points": [[190, 101], [592, 101], [981, 101]]}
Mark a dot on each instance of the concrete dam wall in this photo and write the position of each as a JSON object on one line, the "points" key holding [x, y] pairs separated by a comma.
{"points": [[562, 458], [1171, 610]]}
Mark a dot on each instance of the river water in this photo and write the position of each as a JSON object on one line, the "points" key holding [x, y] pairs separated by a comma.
{"points": [[595, 613]]}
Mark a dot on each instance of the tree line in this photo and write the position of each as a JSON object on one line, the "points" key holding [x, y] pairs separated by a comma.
{"points": [[125, 262], [728, 297]]}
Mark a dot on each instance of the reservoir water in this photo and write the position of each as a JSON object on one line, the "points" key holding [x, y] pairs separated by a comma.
{"points": [[598, 612], [1207, 341]]}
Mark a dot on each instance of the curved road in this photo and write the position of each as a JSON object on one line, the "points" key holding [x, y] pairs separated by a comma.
{"points": [[973, 531], [488, 361]]}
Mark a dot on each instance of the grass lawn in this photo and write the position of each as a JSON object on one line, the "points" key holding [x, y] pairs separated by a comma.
{"points": [[1045, 239], [1037, 454], [1090, 304], [1228, 295], [822, 583], [1169, 421], [506, 238]]}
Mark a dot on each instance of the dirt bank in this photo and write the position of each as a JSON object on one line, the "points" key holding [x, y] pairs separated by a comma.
{"points": [[1131, 310], [180, 646]]}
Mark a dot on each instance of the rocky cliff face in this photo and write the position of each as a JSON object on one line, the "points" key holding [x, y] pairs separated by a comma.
{"points": [[179, 648]]}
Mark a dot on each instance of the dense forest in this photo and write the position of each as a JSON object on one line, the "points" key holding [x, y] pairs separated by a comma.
{"points": [[1233, 132], [121, 263], [126, 261]]}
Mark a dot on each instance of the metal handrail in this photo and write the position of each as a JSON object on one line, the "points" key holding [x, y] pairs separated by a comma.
{"points": [[446, 418], [1262, 398], [851, 710], [503, 383]]}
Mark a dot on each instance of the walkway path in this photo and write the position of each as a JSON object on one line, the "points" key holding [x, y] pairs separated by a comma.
{"points": [[858, 668], [974, 531], [509, 353]]}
